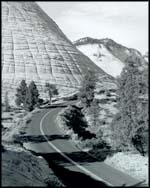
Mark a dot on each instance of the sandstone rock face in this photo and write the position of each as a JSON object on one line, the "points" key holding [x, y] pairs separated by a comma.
{"points": [[34, 48], [107, 54]]}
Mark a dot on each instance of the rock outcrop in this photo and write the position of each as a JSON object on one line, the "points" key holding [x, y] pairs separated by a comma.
{"points": [[34, 48], [107, 54]]}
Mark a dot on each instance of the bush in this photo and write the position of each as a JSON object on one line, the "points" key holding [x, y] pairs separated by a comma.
{"points": [[52, 90], [88, 135], [87, 90], [41, 101], [71, 98], [95, 144], [74, 119], [140, 141]]}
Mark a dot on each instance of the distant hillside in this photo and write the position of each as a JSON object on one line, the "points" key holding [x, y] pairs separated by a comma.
{"points": [[107, 54]]}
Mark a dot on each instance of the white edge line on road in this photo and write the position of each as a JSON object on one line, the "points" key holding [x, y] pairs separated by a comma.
{"points": [[66, 157]]}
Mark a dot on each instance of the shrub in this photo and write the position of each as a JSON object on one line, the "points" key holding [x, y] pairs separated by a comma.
{"points": [[41, 101], [87, 90], [52, 90], [75, 120], [70, 98]]}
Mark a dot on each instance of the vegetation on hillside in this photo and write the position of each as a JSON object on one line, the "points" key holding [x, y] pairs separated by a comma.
{"points": [[27, 96], [21, 93], [87, 90], [32, 97], [52, 91], [74, 119], [6, 103], [130, 125]]}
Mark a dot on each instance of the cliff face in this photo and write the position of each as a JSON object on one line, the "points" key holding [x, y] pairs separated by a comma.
{"points": [[108, 54], [34, 48]]}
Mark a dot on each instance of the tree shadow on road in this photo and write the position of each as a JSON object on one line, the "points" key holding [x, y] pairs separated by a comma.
{"points": [[39, 138], [80, 157], [74, 179], [70, 178], [53, 106]]}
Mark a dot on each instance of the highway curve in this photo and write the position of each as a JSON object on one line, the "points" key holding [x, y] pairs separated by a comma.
{"points": [[56, 147]]}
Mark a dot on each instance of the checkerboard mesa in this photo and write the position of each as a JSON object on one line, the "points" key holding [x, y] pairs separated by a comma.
{"points": [[35, 48]]}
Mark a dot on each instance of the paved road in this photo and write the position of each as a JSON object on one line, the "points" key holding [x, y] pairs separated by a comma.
{"points": [[60, 149]]}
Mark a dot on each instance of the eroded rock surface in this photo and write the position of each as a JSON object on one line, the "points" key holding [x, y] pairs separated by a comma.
{"points": [[34, 48], [108, 54]]}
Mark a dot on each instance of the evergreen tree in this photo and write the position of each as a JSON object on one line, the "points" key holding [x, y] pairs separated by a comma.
{"points": [[87, 89], [21, 93], [94, 112], [32, 97], [52, 90], [127, 123], [6, 103], [74, 119], [29, 101], [34, 93]]}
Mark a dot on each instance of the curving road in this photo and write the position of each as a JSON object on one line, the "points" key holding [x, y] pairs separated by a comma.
{"points": [[64, 152]]}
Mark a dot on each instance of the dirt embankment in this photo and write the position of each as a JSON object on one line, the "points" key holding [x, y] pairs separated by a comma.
{"points": [[19, 166]]}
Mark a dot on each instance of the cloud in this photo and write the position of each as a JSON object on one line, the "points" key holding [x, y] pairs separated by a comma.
{"points": [[125, 22]]}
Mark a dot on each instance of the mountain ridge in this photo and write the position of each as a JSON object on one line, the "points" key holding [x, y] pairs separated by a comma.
{"points": [[86, 40], [108, 54], [35, 48]]}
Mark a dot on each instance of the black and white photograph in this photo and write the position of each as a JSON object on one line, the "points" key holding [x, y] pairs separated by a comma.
{"points": [[74, 94]]}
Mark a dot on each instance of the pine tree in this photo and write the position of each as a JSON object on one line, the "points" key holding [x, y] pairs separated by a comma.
{"points": [[32, 97], [94, 112], [74, 119], [29, 101], [52, 90], [6, 103], [127, 123], [34, 93], [87, 89], [21, 93]]}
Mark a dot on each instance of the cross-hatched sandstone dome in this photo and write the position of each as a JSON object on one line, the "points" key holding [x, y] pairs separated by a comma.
{"points": [[34, 48]]}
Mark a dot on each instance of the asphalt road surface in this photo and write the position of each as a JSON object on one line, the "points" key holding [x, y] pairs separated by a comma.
{"points": [[67, 160]]}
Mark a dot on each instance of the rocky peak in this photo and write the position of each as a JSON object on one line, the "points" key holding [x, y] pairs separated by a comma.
{"points": [[35, 48], [108, 54]]}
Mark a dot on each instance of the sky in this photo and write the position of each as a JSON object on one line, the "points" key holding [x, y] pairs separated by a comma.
{"points": [[124, 22]]}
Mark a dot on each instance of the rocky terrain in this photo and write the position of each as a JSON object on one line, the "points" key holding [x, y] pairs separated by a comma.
{"points": [[34, 48], [107, 54], [19, 166]]}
